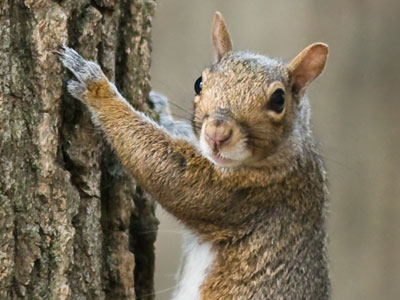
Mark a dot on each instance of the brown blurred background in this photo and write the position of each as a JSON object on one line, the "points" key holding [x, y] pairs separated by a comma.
{"points": [[355, 114]]}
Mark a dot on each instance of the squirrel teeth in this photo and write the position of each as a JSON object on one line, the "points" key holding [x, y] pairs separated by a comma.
{"points": [[219, 159]]}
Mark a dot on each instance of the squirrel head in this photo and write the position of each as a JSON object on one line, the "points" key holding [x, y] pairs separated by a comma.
{"points": [[246, 104]]}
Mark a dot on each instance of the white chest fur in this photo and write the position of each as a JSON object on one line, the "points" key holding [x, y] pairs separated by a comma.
{"points": [[197, 262]]}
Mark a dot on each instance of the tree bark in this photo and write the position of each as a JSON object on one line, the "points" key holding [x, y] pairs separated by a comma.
{"points": [[73, 225]]}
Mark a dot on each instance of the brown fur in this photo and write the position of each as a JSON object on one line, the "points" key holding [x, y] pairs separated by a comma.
{"points": [[220, 36], [264, 218]]}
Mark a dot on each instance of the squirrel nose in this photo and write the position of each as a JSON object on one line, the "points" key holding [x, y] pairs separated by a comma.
{"points": [[218, 134]]}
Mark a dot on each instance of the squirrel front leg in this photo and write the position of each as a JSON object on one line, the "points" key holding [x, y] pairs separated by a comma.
{"points": [[169, 169]]}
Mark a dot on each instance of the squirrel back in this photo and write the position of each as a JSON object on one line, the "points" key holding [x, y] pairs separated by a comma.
{"points": [[247, 180]]}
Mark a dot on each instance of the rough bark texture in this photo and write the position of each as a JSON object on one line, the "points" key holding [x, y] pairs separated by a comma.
{"points": [[73, 225]]}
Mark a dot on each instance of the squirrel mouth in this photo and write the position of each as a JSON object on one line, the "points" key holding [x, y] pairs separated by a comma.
{"points": [[219, 159]]}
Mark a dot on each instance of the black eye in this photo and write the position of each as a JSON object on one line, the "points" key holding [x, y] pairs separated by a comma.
{"points": [[198, 85], [277, 101]]}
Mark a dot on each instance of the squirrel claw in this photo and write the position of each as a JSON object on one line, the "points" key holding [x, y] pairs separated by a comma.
{"points": [[85, 71]]}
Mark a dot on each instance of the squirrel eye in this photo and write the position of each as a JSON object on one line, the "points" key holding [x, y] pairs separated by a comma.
{"points": [[198, 85], [277, 101]]}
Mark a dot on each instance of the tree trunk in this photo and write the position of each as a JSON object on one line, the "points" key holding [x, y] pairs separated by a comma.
{"points": [[73, 225]]}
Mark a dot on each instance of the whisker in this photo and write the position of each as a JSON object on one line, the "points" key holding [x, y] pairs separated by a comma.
{"points": [[161, 231], [180, 107], [158, 292], [181, 117], [327, 158]]}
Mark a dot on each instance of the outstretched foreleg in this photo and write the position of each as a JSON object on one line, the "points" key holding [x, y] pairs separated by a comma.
{"points": [[166, 167]]}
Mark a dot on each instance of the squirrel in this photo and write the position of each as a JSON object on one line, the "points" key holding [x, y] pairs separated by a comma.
{"points": [[246, 178]]}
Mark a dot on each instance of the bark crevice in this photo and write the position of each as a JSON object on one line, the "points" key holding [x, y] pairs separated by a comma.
{"points": [[66, 204]]}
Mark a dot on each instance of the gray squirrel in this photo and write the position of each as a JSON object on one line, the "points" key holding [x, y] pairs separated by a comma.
{"points": [[245, 178]]}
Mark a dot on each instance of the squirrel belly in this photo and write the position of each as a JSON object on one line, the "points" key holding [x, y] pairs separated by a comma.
{"points": [[197, 262], [246, 177]]}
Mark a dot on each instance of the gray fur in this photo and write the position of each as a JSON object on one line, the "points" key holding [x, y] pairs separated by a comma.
{"points": [[84, 71], [176, 128]]}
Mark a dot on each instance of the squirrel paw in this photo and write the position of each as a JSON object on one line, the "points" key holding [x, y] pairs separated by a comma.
{"points": [[76, 89], [160, 102], [85, 72]]}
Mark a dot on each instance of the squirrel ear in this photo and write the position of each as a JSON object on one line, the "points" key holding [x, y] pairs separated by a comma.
{"points": [[220, 36], [306, 66]]}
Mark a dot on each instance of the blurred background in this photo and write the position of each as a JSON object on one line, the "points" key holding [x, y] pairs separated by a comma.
{"points": [[355, 106]]}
